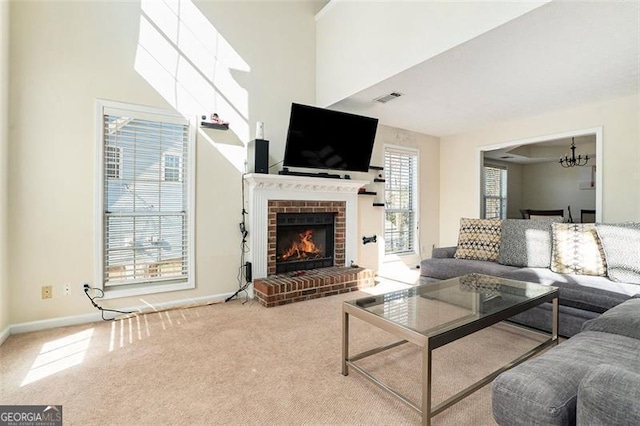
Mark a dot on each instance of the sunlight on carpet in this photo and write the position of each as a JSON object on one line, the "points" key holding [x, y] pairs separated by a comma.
{"points": [[58, 355]]}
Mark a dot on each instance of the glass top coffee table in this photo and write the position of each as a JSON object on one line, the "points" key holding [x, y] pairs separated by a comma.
{"points": [[434, 314]]}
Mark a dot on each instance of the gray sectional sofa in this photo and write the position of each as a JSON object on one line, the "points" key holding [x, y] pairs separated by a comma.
{"points": [[595, 266], [591, 379]]}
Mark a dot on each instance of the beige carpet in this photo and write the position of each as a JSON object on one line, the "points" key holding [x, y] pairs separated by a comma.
{"points": [[236, 363]]}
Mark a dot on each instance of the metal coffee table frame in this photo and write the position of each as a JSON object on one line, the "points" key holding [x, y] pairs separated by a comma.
{"points": [[430, 341]]}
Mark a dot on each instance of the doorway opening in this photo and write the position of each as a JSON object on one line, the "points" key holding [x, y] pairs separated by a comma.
{"points": [[533, 179]]}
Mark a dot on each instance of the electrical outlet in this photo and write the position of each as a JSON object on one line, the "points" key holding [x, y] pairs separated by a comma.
{"points": [[66, 290], [47, 292]]}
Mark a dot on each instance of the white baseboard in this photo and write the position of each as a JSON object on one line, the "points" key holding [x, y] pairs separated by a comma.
{"points": [[26, 327], [4, 334]]}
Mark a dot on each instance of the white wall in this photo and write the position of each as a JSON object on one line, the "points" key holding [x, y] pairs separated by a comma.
{"points": [[4, 154], [547, 186], [379, 39], [63, 56], [620, 119]]}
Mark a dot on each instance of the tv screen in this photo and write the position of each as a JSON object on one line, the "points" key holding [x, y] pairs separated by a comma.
{"points": [[320, 138]]}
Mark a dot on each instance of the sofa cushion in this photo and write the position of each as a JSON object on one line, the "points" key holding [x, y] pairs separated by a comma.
{"points": [[588, 292], [577, 249], [479, 239], [540, 317], [623, 319], [443, 252], [621, 245], [443, 269], [526, 242], [544, 390], [608, 395]]}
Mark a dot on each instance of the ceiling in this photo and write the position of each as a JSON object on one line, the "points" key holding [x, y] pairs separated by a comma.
{"points": [[545, 152], [558, 56]]}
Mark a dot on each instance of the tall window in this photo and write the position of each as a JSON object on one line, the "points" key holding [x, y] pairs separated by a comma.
{"points": [[401, 176], [494, 192], [146, 213]]}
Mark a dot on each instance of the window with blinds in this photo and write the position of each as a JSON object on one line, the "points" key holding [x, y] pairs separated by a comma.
{"points": [[400, 167], [146, 208], [494, 192]]}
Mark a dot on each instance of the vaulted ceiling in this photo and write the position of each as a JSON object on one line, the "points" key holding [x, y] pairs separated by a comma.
{"points": [[558, 56]]}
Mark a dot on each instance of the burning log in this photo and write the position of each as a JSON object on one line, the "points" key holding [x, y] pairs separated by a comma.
{"points": [[303, 248]]}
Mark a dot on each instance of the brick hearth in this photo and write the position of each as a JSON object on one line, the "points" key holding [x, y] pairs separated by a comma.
{"points": [[288, 288]]}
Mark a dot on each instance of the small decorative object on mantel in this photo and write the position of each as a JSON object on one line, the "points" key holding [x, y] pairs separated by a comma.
{"points": [[259, 130], [215, 122]]}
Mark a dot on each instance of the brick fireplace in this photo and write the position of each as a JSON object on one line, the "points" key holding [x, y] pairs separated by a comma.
{"points": [[276, 208], [270, 195]]}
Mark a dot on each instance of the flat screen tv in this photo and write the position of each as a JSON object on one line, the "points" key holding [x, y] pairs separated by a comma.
{"points": [[320, 138]]}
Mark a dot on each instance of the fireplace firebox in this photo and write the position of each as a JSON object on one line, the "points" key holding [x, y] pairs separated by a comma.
{"points": [[304, 241]]}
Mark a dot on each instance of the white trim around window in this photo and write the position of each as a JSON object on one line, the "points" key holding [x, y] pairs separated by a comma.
{"points": [[145, 223], [401, 168]]}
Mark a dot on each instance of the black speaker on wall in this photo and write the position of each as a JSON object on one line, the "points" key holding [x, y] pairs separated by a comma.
{"points": [[258, 156]]}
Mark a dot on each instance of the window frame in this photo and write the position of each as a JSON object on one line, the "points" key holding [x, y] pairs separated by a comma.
{"points": [[503, 186], [149, 113], [415, 153]]}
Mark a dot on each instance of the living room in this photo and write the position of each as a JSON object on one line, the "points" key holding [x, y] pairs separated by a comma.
{"points": [[57, 59]]}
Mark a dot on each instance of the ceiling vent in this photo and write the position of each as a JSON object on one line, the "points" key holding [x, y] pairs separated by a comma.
{"points": [[386, 98]]}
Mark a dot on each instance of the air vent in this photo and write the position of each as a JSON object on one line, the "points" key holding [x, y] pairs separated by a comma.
{"points": [[386, 98]]}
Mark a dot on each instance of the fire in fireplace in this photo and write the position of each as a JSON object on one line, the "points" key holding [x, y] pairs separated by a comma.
{"points": [[304, 241]]}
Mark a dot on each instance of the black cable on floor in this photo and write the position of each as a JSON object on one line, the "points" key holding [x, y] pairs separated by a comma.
{"points": [[100, 308]]}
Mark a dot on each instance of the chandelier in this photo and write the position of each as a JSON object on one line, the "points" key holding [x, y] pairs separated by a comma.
{"points": [[573, 160]]}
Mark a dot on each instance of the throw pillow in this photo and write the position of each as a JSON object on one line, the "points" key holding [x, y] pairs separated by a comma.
{"points": [[526, 243], [479, 239], [621, 244], [577, 250]]}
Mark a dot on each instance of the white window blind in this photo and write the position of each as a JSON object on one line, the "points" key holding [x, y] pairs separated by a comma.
{"points": [[495, 192], [146, 211], [400, 192]]}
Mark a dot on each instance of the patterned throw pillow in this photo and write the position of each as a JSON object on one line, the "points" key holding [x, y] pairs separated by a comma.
{"points": [[621, 244], [479, 239], [577, 250], [526, 243]]}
